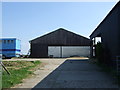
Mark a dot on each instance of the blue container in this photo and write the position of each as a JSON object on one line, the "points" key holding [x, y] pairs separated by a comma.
{"points": [[10, 47]]}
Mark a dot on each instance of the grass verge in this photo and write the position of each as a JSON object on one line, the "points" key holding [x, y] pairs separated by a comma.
{"points": [[19, 70]]}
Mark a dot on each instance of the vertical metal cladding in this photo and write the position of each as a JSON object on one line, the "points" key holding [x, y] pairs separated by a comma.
{"points": [[109, 31], [60, 37], [38, 50]]}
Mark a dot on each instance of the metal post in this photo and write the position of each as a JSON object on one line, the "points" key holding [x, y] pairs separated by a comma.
{"points": [[61, 51], [91, 48], [5, 68]]}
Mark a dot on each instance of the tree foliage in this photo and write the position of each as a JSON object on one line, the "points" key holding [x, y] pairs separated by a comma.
{"points": [[99, 52]]}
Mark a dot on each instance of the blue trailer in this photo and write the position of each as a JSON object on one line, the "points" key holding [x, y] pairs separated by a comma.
{"points": [[10, 47]]}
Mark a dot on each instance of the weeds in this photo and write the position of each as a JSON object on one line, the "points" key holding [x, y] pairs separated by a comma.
{"points": [[19, 70]]}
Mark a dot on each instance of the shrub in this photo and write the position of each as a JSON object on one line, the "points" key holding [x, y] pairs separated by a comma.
{"points": [[99, 52]]}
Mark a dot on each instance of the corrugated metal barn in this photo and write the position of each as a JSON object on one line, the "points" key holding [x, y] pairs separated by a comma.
{"points": [[60, 43], [109, 31]]}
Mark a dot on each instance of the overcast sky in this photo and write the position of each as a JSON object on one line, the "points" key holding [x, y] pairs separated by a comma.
{"points": [[28, 20]]}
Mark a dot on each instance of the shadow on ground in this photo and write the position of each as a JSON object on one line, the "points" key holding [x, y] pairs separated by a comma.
{"points": [[77, 74]]}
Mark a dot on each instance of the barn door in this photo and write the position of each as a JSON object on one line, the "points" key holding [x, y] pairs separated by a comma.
{"points": [[54, 51]]}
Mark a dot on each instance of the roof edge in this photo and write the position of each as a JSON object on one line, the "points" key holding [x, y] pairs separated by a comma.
{"points": [[118, 3], [58, 30]]}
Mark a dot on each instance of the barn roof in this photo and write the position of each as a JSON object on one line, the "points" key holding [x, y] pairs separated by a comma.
{"points": [[97, 31], [61, 37]]}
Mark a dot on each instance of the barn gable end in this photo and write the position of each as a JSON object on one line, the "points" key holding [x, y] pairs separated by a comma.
{"points": [[60, 37]]}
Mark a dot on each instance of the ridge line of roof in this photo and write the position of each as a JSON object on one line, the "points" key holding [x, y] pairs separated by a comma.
{"points": [[59, 30]]}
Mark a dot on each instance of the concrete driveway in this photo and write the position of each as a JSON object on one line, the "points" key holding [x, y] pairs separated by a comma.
{"points": [[70, 73]]}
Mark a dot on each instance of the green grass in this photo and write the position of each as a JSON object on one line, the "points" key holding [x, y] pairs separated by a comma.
{"points": [[19, 70]]}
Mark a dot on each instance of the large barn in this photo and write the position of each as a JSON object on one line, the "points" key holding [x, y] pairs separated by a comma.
{"points": [[109, 31], [60, 43]]}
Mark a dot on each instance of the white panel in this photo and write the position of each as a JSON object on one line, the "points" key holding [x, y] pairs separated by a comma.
{"points": [[68, 51], [54, 50]]}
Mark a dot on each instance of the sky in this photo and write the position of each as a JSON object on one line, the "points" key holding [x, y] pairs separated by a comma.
{"points": [[29, 20]]}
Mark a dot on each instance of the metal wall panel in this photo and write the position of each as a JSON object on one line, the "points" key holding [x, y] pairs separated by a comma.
{"points": [[54, 51], [38, 51], [82, 51], [69, 51]]}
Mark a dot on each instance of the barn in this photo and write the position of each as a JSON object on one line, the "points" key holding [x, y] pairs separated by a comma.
{"points": [[60, 43], [109, 32]]}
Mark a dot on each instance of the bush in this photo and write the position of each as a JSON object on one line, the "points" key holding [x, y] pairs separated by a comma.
{"points": [[99, 52]]}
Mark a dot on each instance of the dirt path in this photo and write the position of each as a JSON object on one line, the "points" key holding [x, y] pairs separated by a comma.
{"points": [[72, 73]]}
